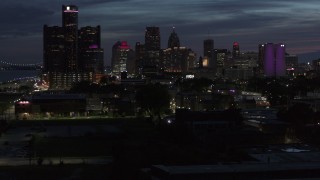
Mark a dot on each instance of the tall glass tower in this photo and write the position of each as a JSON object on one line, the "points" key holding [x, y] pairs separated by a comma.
{"points": [[152, 45], [152, 39], [235, 50], [70, 26], [71, 55], [120, 57], [274, 60]]}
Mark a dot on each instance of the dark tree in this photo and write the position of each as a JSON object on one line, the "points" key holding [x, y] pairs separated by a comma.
{"points": [[25, 89], [84, 87], [153, 98], [298, 116], [197, 84]]}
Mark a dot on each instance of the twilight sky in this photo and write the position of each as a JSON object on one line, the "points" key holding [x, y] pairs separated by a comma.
{"points": [[250, 22]]}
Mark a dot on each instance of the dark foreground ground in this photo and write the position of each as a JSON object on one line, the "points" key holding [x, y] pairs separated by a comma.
{"points": [[132, 143]]}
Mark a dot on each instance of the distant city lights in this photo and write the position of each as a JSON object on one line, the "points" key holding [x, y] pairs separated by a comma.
{"points": [[24, 102]]}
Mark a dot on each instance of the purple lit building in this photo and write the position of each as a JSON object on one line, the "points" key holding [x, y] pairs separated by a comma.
{"points": [[274, 60]]}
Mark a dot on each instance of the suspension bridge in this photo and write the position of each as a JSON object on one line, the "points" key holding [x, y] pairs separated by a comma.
{"points": [[6, 65]]}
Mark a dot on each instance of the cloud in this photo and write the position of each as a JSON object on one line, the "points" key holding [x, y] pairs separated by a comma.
{"points": [[250, 22]]}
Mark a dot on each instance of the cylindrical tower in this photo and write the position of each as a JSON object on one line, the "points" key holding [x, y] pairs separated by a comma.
{"points": [[269, 60], [70, 25]]}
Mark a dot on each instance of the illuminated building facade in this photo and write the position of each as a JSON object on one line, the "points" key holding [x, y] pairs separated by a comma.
{"points": [[90, 52], [71, 55], [316, 65], [235, 50], [152, 38], [274, 60], [260, 64], [121, 54], [89, 37], [291, 63], [220, 58], [177, 59], [241, 68], [91, 62], [53, 49], [205, 62]]}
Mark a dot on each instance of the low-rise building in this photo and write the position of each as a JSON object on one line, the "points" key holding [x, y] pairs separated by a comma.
{"points": [[51, 105]]}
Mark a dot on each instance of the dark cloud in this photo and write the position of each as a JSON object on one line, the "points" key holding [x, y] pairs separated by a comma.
{"points": [[250, 22], [18, 20]]}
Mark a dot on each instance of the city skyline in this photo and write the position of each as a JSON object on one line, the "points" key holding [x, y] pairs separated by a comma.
{"points": [[71, 54], [250, 23]]}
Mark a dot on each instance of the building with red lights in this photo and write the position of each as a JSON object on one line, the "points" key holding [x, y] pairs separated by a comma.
{"points": [[90, 52], [173, 40], [235, 50], [70, 27], [122, 55], [177, 59]]}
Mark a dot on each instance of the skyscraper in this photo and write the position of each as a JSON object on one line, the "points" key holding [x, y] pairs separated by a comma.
{"points": [[90, 52], [173, 40], [71, 55], [120, 57], [235, 50], [274, 60], [70, 26], [220, 58], [208, 52], [177, 59], [53, 48], [53, 55]]}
